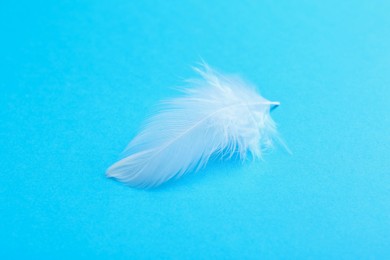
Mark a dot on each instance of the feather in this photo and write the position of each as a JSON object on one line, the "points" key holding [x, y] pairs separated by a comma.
{"points": [[217, 115]]}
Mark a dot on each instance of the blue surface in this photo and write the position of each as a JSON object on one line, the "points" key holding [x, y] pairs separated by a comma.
{"points": [[77, 80]]}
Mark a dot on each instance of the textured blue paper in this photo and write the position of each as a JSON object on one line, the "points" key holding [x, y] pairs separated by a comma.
{"points": [[77, 80]]}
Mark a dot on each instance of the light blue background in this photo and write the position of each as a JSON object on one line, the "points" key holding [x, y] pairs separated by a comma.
{"points": [[78, 79]]}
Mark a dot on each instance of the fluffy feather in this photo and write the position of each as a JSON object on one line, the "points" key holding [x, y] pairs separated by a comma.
{"points": [[217, 115]]}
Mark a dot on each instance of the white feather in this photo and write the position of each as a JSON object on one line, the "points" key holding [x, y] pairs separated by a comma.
{"points": [[218, 115]]}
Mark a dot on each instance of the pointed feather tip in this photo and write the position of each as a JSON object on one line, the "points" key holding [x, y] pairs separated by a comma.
{"points": [[114, 171], [110, 172]]}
